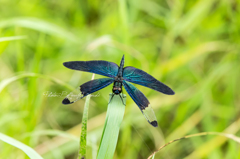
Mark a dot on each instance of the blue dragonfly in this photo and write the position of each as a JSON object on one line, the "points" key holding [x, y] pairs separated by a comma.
{"points": [[119, 76]]}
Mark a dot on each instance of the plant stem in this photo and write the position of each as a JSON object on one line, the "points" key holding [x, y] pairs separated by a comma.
{"points": [[83, 136]]}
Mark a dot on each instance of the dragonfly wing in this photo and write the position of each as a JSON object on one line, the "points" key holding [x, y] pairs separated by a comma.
{"points": [[88, 88], [140, 77], [72, 97], [95, 85], [104, 68], [142, 102]]}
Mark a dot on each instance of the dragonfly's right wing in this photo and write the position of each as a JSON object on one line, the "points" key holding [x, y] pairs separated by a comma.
{"points": [[142, 102], [140, 77], [86, 89]]}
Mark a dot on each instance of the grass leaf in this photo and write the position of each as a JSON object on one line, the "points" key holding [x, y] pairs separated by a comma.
{"points": [[11, 38], [39, 25], [230, 136], [115, 113], [83, 137], [6, 82], [28, 150]]}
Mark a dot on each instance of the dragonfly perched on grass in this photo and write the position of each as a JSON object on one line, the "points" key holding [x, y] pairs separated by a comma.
{"points": [[119, 76]]}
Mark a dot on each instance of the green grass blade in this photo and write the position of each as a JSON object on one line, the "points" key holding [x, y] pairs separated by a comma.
{"points": [[83, 137], [28, 150], [7, 81], [115, 113], [11, 38], [153, 156], [39, 25], [124, 19]]}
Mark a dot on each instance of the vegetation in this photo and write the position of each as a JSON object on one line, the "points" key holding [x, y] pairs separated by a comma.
{"points": [[192, 46]]}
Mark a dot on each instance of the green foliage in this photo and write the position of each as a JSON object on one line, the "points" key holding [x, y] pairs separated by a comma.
{"points": [[192, 46], [83, 137], [28, 150], [114, 117]]}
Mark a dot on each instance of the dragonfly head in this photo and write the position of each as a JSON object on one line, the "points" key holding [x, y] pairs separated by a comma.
{"points": [[117, 90]]}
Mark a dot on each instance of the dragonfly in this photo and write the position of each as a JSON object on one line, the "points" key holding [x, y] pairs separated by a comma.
{"points": [[119, 76]]}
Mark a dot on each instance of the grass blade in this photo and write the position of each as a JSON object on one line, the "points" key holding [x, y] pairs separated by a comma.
{"points": [[28, 150], [124, 19], [39, 25], [11, 38], [4, 83], [111, 128], [83, 137], [230, 136]]}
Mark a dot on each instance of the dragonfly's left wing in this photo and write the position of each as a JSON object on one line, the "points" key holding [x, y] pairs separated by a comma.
{"points": [[100, 67], [142, 102], [86, 89], [137, 76]]}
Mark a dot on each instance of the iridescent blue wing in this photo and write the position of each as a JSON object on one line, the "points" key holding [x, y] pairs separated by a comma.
{"points": [[86, 89], [142, 102], [104, 68], [140, 77]]}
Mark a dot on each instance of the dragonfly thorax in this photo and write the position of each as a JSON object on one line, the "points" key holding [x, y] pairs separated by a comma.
{"points": [[118, 79]]}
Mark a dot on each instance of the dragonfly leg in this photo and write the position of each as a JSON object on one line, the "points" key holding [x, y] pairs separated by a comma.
{"points": [[122, 99], [111, 98]]}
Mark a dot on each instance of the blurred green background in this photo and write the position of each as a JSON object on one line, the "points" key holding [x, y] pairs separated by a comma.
{"points": [[192, 46]]}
